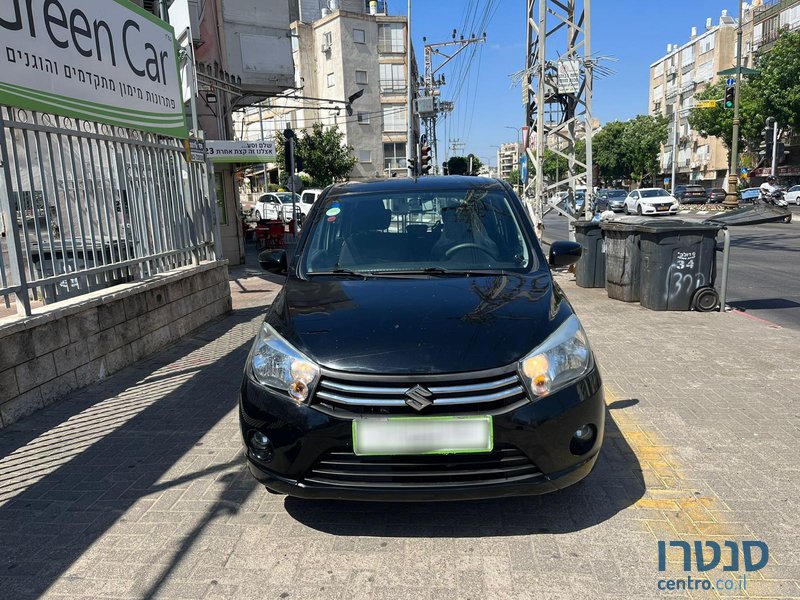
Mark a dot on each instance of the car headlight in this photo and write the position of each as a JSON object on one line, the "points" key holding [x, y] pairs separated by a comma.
{"points": [[275, 363], [562, 359]]}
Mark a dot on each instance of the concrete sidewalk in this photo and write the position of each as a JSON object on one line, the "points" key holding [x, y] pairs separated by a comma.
{"points": [[136, 487]]}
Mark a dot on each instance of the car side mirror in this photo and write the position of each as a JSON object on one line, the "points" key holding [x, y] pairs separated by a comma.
{"points": [[564, 254], [274, 261]]}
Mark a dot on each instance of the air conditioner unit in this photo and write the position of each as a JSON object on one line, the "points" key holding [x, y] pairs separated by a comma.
{"points": [[672, 71], [326, 47], [694, 164]]}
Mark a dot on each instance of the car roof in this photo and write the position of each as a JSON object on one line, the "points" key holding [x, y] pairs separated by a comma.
{"points": [[416, 184], [648, 189]]}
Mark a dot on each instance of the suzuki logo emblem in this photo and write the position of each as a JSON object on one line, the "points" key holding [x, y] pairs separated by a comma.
{"points": [[419, 397]]}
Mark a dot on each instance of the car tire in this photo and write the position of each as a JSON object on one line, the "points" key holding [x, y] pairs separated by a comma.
{"points": [[639, 210], [257, 215], [625, 209]]}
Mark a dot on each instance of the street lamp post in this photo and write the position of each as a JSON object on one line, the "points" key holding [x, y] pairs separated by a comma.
{"points": [[732, 198]]}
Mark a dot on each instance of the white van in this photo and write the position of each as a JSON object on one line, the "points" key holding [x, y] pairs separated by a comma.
{"points": [[307, 199]]}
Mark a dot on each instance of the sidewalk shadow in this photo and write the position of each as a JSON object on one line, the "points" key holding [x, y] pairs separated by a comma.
{"points": [[71, 471], [615, 484]]}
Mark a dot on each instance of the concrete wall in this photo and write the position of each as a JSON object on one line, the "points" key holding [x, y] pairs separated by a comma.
{"points": [[70, 345]]}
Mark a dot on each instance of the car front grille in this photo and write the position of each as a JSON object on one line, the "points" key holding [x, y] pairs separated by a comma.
{"points": [[354, 395], [342, 468]]}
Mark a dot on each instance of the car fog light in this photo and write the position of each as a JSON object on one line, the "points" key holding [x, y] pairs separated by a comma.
{"points": [[260, 446], [583, 439]]}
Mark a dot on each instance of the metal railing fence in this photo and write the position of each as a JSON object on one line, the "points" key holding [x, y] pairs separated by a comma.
{"points": [[84, 206]]}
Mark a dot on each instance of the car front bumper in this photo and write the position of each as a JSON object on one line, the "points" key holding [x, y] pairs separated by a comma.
{"points": [[537, 436], [649, 209]]}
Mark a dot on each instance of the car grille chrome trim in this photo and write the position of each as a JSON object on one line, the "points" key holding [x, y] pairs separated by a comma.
{"points": [[345, 392], [516, 390], [342, 468], [434, 389]]}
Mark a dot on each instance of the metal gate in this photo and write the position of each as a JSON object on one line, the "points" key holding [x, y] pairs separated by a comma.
{"points": [[85, 206]]}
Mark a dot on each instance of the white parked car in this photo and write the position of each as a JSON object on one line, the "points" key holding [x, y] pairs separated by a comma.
{"points": [[276, 205], [650, 201], [307, 199], [792, 195]]}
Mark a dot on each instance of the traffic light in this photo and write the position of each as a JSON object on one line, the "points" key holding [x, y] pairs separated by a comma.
{"points": [[768, 138], [730, 96], [445, 168], [425, 160], [298, 163]]}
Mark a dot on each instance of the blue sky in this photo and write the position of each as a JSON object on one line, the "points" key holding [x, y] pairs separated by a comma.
{"points": [[635, 32]]}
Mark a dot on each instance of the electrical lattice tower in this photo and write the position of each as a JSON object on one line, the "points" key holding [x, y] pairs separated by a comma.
{"points": [[557, 93]]}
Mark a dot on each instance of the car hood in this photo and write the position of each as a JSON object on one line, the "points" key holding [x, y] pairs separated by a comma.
{"points": [[658, 200], [418, 325]]}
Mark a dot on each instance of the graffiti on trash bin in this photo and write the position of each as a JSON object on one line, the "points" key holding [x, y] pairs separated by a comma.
{"points": [[681, 278]]}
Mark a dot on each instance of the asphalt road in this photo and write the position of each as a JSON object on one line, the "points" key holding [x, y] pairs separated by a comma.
{"points": [[764, 277]]}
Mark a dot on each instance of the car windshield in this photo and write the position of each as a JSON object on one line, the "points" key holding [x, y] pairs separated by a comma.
{"points": [[694, 188], [432, 232], [616, 194], [653, 193], [286, 197]]}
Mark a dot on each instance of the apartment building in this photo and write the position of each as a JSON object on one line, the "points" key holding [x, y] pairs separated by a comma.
{"points": [[507, 159], [340, 48], [685, 70]]}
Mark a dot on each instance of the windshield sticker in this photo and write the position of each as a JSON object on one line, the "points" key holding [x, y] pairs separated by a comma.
{"points": [[331, 219], [332, 212]]}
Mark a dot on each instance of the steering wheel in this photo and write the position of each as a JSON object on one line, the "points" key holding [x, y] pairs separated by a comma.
{"points": [[466, 245]]}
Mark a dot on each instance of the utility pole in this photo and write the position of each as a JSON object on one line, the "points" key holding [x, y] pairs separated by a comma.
{"points": [[557, 92], [774, 170], [431, 83], [732, 198]]}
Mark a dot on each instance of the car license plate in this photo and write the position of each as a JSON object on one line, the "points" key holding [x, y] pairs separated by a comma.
{"points": [[662, 208], [422, 435]]}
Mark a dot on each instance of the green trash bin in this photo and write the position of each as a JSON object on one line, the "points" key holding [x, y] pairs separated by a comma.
{"points": [[590, 270], [678, 264], [622, 257]]}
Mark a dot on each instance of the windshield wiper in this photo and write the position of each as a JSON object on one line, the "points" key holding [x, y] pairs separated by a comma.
{"points": [[443, 271], [340, 271]]}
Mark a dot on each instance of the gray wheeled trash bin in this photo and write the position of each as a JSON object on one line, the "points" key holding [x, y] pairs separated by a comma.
{"points": [[622, 257], [590, 271], [678, 264]]}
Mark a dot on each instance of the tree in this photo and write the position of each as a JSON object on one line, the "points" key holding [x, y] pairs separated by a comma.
{"points": [[778, 84], [642, 139], [718, 121], [609, 153], [513, 178], [325, 158], [459, 165], [556, 167]]}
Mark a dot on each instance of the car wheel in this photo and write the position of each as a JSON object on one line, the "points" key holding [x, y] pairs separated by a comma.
{"points": [[788, 218], [625, 208], [639, 210], [258, 215]]}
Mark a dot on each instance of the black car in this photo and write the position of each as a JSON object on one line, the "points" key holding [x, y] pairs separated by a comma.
{"points": [[610, 199], [690, 193], [421, 350], [716, 195]]}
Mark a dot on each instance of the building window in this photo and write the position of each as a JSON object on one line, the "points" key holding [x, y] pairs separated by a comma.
{"points": [[707, 44], [394, 118], [222, 210], [365, 156], [705, 71], [363, 118], [359, 36], [687, 56], [391, 37], [658, 70], [393, 78], [361, 77], [331, 80], [327, 38], [394, 156], [658, 92]]}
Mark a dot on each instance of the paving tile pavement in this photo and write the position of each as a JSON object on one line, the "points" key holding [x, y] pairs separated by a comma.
{"points": [[136, 487]]}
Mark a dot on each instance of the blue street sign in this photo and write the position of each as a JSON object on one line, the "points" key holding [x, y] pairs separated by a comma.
{"points": [[524, 167], [730, 81]]}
